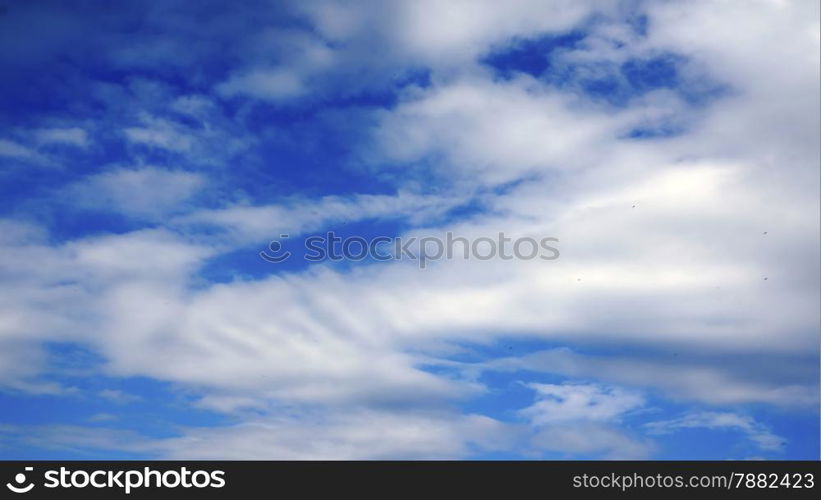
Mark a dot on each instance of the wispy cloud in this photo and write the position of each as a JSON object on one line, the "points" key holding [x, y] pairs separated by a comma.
{"points": [[759, 434]]}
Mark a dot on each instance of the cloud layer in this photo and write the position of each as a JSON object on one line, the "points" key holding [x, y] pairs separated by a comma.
{"points": [[675, 159]]}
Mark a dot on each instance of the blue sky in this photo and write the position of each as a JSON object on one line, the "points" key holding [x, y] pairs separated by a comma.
{"points": [[149, 151]]}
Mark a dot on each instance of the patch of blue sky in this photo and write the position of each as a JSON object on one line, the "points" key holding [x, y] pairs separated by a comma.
{"points": [[659, 131], [506, 393], [137, 407], [530, 56], [605, 81], [639, 23], [247, 264], [154, 406]]}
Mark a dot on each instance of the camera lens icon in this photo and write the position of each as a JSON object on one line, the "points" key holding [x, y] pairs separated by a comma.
{"points": [[20, 478]]}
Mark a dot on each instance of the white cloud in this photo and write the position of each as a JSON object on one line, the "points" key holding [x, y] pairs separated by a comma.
{"points": [[578, 403], [14, 233], [198, 106], [591, 439], [500, 132], [138, 256], [583, 420], [160, 133], [210, 141], [102, 417], [255, 223], [759, 434], [446, 34], [681, 376], [258, 340], [13, 150], [75, 438], [337, 55], [55, 293], [72, 136], [21, 361], [138, 192], [346, 436], [353, 435], [302, 58], [117, 396], [274, 83]]}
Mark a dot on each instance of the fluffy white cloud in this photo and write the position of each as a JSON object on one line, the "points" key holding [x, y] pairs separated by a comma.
{"points": [[578, 403], [582, 419], [446, 34], [500, 132]]}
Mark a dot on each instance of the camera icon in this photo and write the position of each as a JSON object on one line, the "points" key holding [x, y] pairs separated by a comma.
{"points": [[20, 478]]}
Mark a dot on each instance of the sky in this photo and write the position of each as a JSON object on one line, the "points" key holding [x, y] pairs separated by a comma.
{"points": [[149, 151]]}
